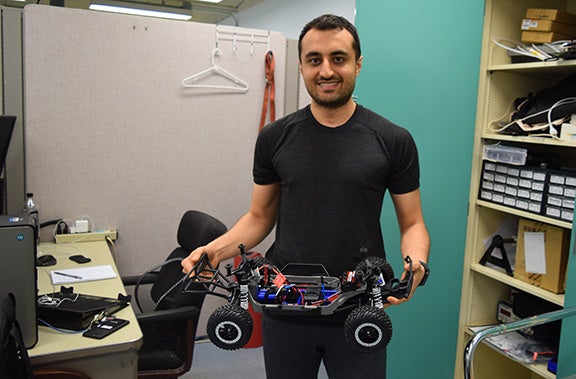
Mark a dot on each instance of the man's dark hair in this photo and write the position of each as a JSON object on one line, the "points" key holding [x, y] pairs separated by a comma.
{"points": [[331, 22]]}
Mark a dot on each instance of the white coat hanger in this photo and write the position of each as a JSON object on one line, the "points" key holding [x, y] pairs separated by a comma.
{"points": [[192, 81]]}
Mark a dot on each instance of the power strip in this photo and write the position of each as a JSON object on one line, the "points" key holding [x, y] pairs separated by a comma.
{"points": [[85, 237]]}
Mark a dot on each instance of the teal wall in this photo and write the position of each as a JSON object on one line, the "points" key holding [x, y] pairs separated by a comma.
{"points": [[567, 363], [421, 64]]}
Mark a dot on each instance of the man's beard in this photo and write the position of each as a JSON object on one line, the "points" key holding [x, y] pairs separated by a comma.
{"points": [[333, 103], [342, 98]]}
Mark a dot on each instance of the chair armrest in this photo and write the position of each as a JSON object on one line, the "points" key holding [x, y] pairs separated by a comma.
{"points": [[144, 279], [182, 313]]}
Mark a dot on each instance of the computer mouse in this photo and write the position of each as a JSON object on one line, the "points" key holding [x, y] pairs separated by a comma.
{"points": [[45, 260]]}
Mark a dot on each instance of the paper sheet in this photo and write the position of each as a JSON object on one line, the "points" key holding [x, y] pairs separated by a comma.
{"points": [[82, 274], [535, 252]]}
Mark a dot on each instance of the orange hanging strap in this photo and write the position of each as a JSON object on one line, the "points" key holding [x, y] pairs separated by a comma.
{"points": [[268, 91]]}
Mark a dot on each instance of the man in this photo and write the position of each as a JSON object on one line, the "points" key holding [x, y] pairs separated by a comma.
{"points": [[320, 176]]}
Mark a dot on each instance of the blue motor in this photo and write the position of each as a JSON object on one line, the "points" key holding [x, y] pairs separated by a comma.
{"points": [[293, 295]]}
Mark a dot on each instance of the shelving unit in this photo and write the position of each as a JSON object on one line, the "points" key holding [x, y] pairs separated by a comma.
{"points": [[483, 287]]}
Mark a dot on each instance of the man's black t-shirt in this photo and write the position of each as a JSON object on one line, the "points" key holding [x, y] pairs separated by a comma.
{"points": [[333, 182]]}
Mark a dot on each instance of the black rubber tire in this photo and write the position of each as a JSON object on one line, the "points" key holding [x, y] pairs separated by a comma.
{"points": [[229, 327], [368, 328], [381, 263]]}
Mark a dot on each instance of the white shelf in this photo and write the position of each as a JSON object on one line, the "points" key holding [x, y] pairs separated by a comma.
{"points": [[557, 299], [533, 67], [528, 139], [523, 214]]}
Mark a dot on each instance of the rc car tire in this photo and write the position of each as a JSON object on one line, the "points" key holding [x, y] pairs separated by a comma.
{"points": [[379, 262], [368, 328], [229, 327]]}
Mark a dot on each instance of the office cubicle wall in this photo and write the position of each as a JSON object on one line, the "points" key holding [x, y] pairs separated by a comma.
{"points": [[112, 135], [12, 104]]}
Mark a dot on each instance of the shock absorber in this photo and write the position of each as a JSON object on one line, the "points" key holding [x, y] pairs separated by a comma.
{"points": [[244, 296], [377, 292], [377, 297]]}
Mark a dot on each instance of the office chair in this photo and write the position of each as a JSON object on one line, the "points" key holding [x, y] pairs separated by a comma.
{"points": [[170, 329], [58, 374]]}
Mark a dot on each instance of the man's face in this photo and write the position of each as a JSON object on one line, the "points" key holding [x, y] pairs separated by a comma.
{"points": [[329, 66]]}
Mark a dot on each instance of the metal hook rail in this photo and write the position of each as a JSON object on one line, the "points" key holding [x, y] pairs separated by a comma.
{"points": [[507, 328]]}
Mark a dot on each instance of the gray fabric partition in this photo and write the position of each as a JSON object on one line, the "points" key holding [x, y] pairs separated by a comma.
{"points": [[111, 133]]}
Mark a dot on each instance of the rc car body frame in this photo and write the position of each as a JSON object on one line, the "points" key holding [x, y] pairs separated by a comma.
{"points": [[300, 290]]}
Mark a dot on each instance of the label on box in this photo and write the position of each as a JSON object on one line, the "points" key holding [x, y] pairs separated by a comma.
{"points": [[528, 174], [486, 195], [553, 212], [556, 190], [557, 179], [534, 207], [528, 24], [534, 252], [511, 181], [499, 187], [522, 204], [525, 183], [487, 185], [536, 196], [511, 191], [556, 201], [524, 193]]}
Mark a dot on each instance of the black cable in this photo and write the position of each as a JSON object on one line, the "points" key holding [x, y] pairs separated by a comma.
{"points": [[61, 225], [151, 271], [51, 222]]}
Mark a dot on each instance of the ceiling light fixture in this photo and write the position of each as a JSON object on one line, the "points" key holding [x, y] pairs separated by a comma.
{"points": [[141, 9], [211, 1]]}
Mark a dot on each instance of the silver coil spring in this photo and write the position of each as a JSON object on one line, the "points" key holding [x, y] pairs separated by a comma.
{"points": [[377, 297], [244, 296]]}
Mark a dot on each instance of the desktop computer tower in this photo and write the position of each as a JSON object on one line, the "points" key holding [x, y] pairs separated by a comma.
{"points": [[18, 270]]}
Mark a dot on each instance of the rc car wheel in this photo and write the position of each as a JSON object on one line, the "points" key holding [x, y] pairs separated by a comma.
{"points": [[229, 327], [368, 328], [379, 262]]}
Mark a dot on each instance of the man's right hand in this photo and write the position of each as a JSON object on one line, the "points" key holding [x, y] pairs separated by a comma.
{"points": [[192, 259]]}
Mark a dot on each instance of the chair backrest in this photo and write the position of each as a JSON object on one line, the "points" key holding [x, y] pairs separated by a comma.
{"points": [[196, 229]]}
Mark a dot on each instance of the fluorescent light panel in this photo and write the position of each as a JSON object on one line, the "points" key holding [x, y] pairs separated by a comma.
{"points": [[140, 9]]}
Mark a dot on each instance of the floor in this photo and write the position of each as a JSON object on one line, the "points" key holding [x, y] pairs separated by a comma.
{"points": [[211, 362]]}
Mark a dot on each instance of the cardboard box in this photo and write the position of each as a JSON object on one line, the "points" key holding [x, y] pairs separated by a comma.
{"points": [[543, 37], [548, 26], [552, 15], [555, 241]]}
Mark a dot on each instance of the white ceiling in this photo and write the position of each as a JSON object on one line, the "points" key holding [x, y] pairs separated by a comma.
{"points": [[202, 11]]}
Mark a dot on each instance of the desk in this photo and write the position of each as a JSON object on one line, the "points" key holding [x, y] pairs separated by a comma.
{"points": [[115, 356]]}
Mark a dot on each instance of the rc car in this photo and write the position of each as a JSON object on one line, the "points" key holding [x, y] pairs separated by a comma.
{"points": [[302, 289]]}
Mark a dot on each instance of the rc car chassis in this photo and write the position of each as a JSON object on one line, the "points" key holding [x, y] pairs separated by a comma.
{"points": [[303, 289]]}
